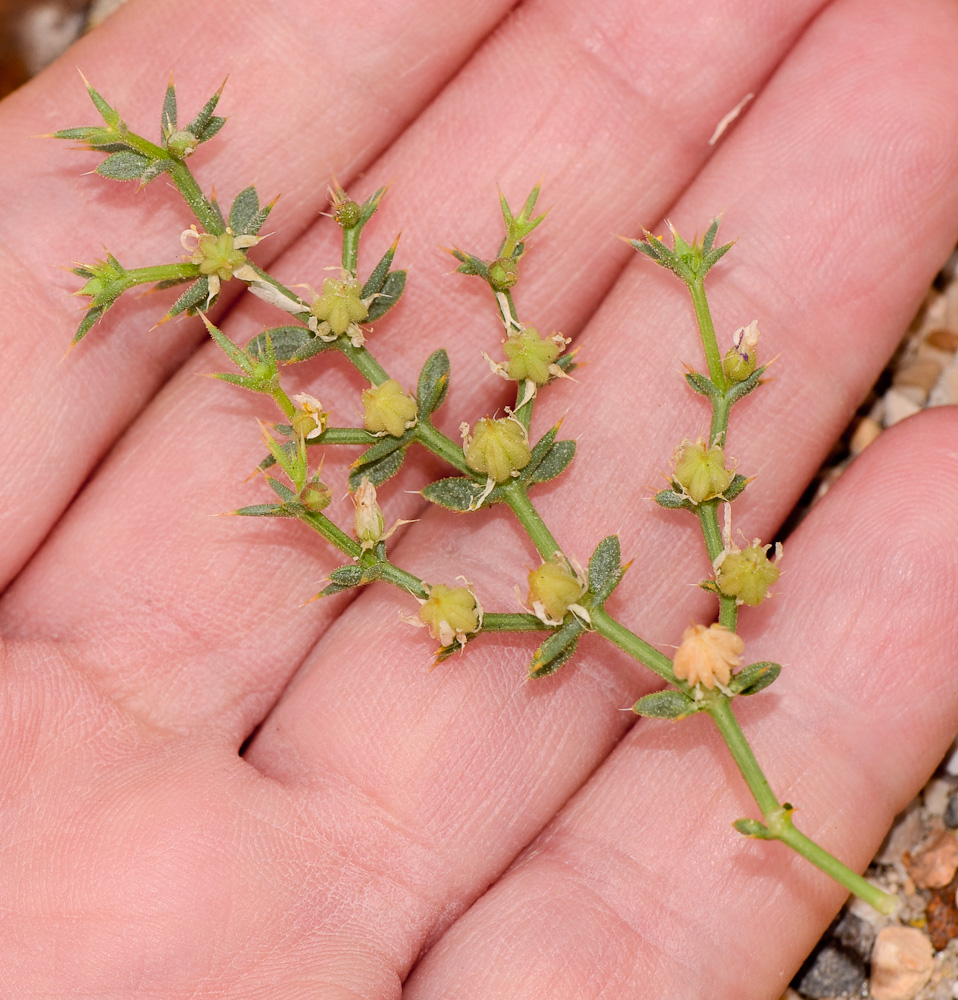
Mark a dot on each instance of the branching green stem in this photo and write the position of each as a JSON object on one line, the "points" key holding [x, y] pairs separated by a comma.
{"points": [[778, 820]]}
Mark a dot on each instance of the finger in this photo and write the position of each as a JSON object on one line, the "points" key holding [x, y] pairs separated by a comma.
{"points": [[495, 756], [212, 670], [293, 143], [640, 886]]}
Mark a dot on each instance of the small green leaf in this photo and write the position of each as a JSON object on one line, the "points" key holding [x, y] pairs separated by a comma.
{"points": [[702, 385], [168, 115], [376, 280], [349, 575], [282, 490], [669, 704], [433, 382], [244, 209], [204, 120], [752, 828], [379, 463], [110, 115], [264, 510], [471, 265], [672, 500], [124, 166], [605, 569], [554, 463], [196, 295], [212, 127], [89, 318], [457, 493], [388, 297], [743, 388], [237, 355], [735, 487], [755, 677], [290, 343], [557, 650]]}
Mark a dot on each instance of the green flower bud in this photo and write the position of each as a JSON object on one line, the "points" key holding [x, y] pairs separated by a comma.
{"points": [[553, 587], [315, 495], [503, 273], [451, 613], [746, 575], [339, 304], [387, 408], [181, 143], [700, 471], [529, 355], [347, 214], [498, 448]]}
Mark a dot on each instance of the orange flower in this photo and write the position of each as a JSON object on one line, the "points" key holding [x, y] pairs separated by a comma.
{"points": [[708, 654]]}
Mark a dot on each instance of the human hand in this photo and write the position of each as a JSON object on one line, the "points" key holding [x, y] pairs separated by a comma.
{"points": [[519, 836]]}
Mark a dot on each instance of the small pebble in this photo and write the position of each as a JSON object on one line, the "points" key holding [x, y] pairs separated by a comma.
{"points": [[936, 795], [934, 863], [951, 813], [945, 391], [837, 966], [921, 375], [943, 340], [867, 430], [941, 917], [902, 962], [899, 405]]}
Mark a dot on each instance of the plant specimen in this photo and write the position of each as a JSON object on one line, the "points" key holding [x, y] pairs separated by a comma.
{"points": [[500, 459]]}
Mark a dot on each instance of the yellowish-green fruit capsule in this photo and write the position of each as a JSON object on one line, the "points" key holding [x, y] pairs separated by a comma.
{"points": [[701, 471], [747, 575], [451, 613], [387, 408], [339, 304], [497, 447], [553, 587], [529, 355]]}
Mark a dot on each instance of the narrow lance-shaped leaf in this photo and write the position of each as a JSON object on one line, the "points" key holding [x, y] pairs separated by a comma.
{"points": [[433, 382], [168, 115]]}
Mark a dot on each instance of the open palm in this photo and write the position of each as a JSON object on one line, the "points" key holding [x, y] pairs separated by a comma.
{"points": [[457, 832]]}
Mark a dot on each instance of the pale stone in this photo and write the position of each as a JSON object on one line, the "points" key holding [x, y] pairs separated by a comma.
{"points": [[920, 374], [898, 406], [934, 863], [902, 962], [867, 430]]}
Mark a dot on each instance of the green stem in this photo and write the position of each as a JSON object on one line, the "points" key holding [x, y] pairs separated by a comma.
{"points": [[707, 332], [518, 500], [184, 180], [778, 820], [437, 442], [708, 519], [362, 360], [351, 249], [605, 625], [513, 622]]}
